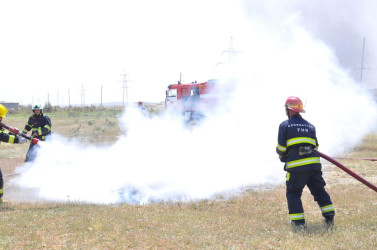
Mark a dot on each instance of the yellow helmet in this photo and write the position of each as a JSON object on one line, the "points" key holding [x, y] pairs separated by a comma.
{"points": [[3, 110]]}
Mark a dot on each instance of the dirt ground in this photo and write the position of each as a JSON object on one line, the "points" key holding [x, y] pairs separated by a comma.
{"points": [[8, 165]]}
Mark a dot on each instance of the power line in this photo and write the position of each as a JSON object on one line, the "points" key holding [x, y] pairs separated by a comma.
{"points": [[125, 87], [230, 51]]}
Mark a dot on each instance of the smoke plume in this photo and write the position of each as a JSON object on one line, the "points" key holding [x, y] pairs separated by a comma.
{"points": [[281, 51]]}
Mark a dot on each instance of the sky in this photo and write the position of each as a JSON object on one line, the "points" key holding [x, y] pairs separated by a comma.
{"points": [[52, 47], [282, 48], [71, 52]]}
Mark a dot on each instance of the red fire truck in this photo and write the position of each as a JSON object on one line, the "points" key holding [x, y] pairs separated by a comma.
{"points": [[192, 99]]}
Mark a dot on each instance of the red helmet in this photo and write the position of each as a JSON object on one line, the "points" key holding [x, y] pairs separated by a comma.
{"points": [[295, 104]]}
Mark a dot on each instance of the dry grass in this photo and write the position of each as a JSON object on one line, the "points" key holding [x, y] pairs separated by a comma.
{"points": [[255, 219]]}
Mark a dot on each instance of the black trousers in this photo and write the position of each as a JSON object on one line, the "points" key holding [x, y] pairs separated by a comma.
{"points": [[32, 152], [295, 184]]}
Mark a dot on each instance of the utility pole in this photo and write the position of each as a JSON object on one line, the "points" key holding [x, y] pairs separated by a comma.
{"points": [[82, 95], [230, 51], [362, 62], [101, 95], [57, 98], [69, 99], [125, 88]]}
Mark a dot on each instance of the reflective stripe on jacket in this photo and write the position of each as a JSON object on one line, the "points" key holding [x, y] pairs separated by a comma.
{"points": [[5, 137], [296, 143]]}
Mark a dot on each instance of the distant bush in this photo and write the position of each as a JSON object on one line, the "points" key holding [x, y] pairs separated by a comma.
{"points": [[84, 111], [47, 107]]}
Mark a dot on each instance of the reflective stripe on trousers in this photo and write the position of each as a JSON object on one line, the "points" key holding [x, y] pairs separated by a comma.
{"points": [[299, 216], [327, 208]]}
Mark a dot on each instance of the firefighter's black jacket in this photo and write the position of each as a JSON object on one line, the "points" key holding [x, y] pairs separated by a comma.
{"points": [[39, 123], [296, 143]]}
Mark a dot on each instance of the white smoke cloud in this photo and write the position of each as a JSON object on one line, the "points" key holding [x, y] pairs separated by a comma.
{"points": [[160, 160], [341, 24]]}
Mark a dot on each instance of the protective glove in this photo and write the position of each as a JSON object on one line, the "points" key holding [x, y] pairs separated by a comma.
{"points": [[22, 140]]}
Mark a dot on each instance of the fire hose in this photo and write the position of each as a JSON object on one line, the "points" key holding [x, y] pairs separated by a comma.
{"points": [[20, 133], [352, 158], [348, 171]]}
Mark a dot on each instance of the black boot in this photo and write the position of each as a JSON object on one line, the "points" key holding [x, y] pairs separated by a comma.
{"points": [[329, 220], [298, 225]]}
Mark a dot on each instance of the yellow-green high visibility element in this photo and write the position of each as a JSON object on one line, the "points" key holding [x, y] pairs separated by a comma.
{"points": [[327, 208], [3, 110], [281, 148], [299, 140], [299, 216], [48, 127], [11, 139], [288, 176], [302, 162]]}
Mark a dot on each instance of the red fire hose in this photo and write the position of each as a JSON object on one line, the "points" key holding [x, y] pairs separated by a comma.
{"points": [[348, 171], [20, 133], [351, 158]]}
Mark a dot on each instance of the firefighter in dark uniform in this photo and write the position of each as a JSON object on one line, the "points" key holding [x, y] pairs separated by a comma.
{"points": [[40, 126], [9, 138], [297, 144]]}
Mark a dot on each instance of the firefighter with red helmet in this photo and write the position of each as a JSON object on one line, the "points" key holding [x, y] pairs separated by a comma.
{"points": [[40, 125], [297, 144], [9, 138]]}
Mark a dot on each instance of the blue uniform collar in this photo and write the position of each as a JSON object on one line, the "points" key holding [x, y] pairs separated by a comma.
{"points": [[295, 116]]}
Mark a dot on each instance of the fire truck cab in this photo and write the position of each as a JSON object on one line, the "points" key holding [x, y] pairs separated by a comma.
{"points": [[191, 98]]}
